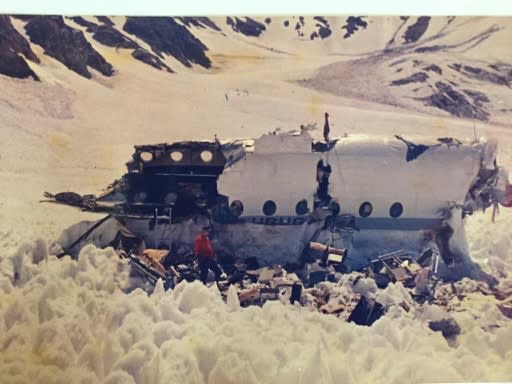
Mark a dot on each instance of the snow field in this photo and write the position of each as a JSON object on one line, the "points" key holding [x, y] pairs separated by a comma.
{"points": [[66, 321]]}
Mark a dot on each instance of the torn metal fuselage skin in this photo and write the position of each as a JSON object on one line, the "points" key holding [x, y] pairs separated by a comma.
{"points": [[269, 197]]}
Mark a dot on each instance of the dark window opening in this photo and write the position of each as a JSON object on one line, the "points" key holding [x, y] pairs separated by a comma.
{"points": [[396, 210], [269, 208], [236, 208], [140, 197], [171, 198], [322, 177], [365, 209], [302, 207], [335, 208]]}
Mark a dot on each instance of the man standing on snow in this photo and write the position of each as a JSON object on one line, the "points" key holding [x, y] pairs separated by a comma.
{"points": [[205, 254], [327, 129]]}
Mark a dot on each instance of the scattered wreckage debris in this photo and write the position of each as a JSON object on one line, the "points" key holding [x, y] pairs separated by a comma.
{"points": [[366, 312], [320, 284], [398, 266], [85, 202], [155, 264], [448, 327], [328, 255]]}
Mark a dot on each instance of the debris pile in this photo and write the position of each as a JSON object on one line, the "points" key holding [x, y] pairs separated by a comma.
{"points": [[392, 282], [395, 283], [411, 289], [450, 295]]}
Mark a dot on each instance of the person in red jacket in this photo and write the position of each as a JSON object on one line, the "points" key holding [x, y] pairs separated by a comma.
{"points": [[206, 257]]}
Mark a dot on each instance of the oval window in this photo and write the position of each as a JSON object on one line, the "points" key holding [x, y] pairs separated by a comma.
{"points": [[171, 198], [140, 197], [396, 210], [335, 208], [269, 208], [146, 156], [206, 156], [176, 156], [365, 209], [302, 207], [236, 208]]}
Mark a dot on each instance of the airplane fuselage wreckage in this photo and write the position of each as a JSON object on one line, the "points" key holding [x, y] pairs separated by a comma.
{"points": [[272, 197]]}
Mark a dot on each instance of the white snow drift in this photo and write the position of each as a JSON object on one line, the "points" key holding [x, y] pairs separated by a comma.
{"points": [[65, 321]]}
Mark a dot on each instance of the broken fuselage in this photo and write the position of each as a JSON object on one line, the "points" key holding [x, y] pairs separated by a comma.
{"points": [[269, 197]]}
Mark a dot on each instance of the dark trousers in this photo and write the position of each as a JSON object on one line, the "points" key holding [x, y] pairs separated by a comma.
{"points": [[206, 264]]}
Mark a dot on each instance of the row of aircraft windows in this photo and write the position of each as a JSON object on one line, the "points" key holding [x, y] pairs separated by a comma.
{"points": [[176, 156], [270, 207]]}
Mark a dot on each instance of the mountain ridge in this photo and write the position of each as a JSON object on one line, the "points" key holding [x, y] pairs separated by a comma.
{"points": [[442, 63]]}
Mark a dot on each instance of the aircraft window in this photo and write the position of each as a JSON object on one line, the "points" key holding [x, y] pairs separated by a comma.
{"points": [[302, 207], [269, 208], [176, 156], [396, 210], [206, 156], [146, 156], [365, 209], [171, 198], [335, 208], [237, 208], [157, 154], [140, 197]]}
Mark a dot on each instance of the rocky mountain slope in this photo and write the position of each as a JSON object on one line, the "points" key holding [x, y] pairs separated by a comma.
{"points": [[430, 64], [14, 51]]}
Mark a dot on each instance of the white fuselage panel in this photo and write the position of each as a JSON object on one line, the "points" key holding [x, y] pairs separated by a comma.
{"points": [[363, 170]]}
